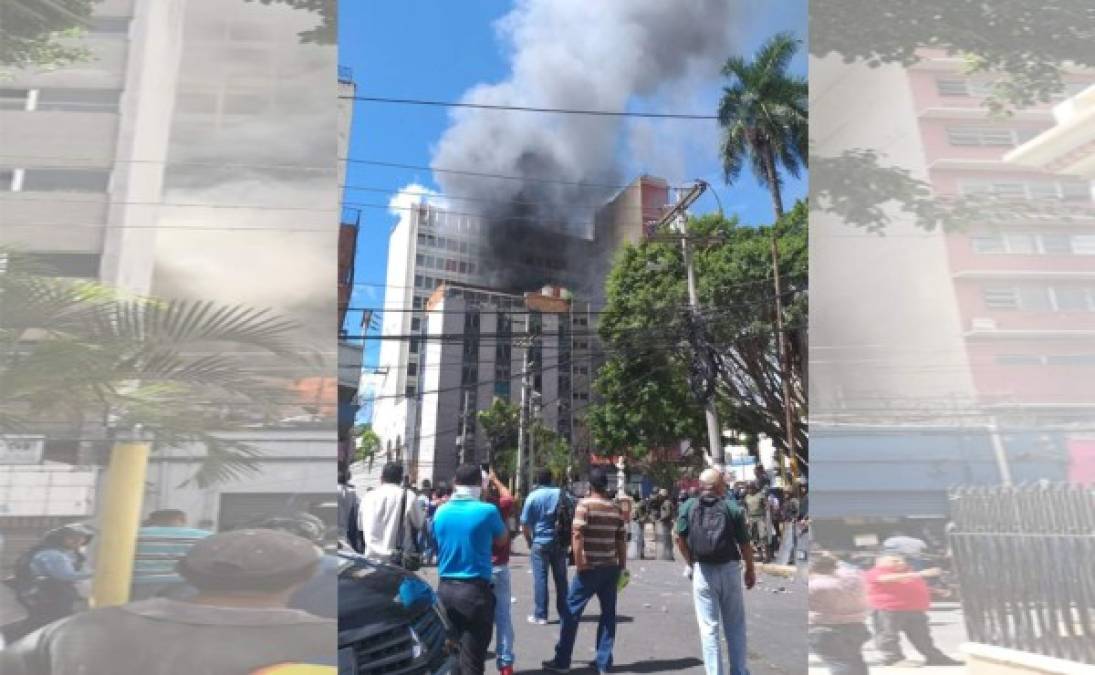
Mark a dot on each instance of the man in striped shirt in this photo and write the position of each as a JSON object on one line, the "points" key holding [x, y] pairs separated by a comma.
{"points": [[600, 555]]}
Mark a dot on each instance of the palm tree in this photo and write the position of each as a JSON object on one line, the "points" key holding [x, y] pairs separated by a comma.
{"points": [[74, 352], [763, 114]]}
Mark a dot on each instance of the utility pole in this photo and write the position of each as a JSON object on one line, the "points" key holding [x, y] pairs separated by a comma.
{"points": [[677, 215], [784, 373], [467, 414], [522, 424], [534, 416]]}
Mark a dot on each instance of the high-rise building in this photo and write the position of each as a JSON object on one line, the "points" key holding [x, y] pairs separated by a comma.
{"points": [[944, 356], [432, 246], [84, 146], [480, 345]]}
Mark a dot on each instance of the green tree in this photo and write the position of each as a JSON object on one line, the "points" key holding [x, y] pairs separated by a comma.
{"points": [[552, 452], [646, 402], [763, 116], [74, 352], [35, 33], [326, 31], [366, 444], [500, 423], [1027, 43]]}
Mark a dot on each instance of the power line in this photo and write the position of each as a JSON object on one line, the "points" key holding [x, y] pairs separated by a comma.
{"points": [[523, 179], [516, 108]]}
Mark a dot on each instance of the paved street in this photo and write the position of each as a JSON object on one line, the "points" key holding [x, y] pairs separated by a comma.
{"points": [[657, 627], [947, 631]]}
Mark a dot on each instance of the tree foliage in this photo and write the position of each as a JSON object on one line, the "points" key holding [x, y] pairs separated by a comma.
{"points": [[1028, 43], [500, 423], [367, 443], [76, 351], [763, 116], [326, 31], [647, 403], [35, 33]]}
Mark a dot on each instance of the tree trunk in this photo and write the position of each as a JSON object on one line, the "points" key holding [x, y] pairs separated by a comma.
{"points": [[773, 182]]}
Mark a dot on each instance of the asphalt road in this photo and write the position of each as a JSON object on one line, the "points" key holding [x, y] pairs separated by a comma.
{"points": [[657, 632]]}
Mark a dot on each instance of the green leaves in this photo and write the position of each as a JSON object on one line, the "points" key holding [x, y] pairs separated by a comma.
{"points": [[186, 371], [35, 33]]}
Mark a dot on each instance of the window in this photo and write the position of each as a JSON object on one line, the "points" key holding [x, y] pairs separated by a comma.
{"points": [[419, 259], [413, 345], [1056, 244], [1035, 298], [416, 324], [981, 136], [109, 25], [419, 281], [412, 369], [1021, 243], [463, 267], [1071, 360], [1000, 298], [78, 100], [410, 391], [1070, 298], [75, 265], [7, 180], [1083, 244], [14, 99], [987, 243], [450, 266], [417, 302], [1018, 360], [66, 180]]}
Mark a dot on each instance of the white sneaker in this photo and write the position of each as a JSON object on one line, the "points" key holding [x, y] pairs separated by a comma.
{"points": [[538, 622]]}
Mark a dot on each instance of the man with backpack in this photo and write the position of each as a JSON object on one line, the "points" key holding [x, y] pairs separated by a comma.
{"points": [[713, 538], [546, 521], [47, 578]]}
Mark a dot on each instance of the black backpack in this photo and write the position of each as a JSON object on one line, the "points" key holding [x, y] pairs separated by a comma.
{"points": [[564, 520], [711, 531]]}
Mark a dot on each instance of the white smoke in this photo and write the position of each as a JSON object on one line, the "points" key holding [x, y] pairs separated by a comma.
{"points": [[575, 54]]}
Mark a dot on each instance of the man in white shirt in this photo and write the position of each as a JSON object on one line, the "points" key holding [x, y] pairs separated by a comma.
{"points": [[379, 514]]}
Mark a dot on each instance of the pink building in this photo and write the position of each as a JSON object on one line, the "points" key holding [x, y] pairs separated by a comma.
{"points": [[1025, 286]]}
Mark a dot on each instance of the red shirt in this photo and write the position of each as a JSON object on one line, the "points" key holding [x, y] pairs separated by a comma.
{"points": [[499, 555], [907, 595]]}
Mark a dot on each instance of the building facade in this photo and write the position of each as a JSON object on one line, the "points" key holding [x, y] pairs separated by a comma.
{"points": [[481, 345], [432, 246]]}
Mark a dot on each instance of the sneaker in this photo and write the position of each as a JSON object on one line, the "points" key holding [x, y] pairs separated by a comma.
{"points": [[553, 667], [538, 622], [943, 661], [505, 670]]}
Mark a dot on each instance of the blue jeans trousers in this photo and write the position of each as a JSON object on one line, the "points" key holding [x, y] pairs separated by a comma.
{"points": [[545, 558], [503, 619], [600, 582], [720, 608]]}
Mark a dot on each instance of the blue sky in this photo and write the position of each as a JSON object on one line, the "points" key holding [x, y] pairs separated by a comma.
{"points": [[438, 50]]}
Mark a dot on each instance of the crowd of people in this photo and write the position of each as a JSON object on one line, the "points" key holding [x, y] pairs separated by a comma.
{"points": [[892, 597], [256, 598], [468, 530]]}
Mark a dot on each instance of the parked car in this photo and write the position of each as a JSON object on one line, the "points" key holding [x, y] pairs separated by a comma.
{"points": [[390, 621]]}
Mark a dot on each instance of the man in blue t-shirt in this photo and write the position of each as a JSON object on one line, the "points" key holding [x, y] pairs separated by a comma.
{"points": [[538, 526], [465, 531]]}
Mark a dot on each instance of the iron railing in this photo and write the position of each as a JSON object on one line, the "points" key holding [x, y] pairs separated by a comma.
{"points": [[1024, 561]]}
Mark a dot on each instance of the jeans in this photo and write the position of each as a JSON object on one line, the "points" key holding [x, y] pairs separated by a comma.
{"points": [[720, 603], [470, 608], [599, 581], [915, 627], [425, 542], [503, 621], [840, 647], [545, 557]]}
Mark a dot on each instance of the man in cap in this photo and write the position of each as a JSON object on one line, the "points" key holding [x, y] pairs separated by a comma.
{"points": [[236, 623], [713, 538]]}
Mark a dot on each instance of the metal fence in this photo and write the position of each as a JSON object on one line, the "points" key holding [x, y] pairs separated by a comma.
{"points": [[1025, 558]]}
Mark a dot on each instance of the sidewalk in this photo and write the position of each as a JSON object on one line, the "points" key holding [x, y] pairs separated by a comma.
{"points": [[948, 632]]}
